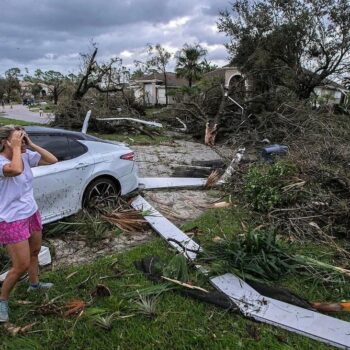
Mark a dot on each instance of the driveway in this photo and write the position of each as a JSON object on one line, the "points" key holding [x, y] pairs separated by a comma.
{"points": [[178, 205], [20, 112]]}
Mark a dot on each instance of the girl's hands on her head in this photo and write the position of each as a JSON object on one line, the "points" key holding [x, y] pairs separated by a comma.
{"points": [[16, 139], [27, 140]]}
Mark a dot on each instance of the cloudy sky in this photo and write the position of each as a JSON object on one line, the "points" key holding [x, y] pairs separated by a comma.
{"points": [[50, 34]]}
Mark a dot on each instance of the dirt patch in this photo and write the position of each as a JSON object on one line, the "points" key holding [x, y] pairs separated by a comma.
{"points": [[74, 250]]}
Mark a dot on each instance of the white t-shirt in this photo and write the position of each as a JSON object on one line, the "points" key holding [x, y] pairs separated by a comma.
{"points": [[16, 193]]}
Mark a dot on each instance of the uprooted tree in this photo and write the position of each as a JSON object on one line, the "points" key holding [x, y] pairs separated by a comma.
{"points": [[95, 80], [295, 44], [202, 109], [284, 50]]}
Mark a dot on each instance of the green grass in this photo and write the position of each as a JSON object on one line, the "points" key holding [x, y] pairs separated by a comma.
{"points": [[180, 322], [229, 222], [8, 121]]}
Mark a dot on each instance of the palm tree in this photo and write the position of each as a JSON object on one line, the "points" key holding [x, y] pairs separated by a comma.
{"points": [[188, 63]]}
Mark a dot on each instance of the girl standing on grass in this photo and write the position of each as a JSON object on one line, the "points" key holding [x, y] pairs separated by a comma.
{"points": [[20, 221]]}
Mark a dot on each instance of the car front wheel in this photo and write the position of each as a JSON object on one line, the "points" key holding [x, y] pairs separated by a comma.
{"points": [[101, 193]]}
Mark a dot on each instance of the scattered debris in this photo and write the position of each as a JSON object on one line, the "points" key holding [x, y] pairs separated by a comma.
{"points": [[101, 290], [14, 330], [71, 275], [271, 150], [127, 220], [74, 306], [177, 269], [232, 167], [251, 303], [222, 205], [332, 307], [186, 285], [212, 179]]}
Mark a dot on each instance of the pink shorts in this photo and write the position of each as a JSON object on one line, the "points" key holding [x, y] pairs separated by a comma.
{"points": [[20, 230]]}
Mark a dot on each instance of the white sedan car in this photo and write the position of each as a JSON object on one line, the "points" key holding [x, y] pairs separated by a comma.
{"points": [[89, 170]]}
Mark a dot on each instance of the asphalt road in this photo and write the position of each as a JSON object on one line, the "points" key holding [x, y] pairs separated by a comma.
{"points": [[21, 112]]}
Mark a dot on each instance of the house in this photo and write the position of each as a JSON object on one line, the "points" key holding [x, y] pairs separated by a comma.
{"points": [[150, 89], [27, 89], [230, 75], [330, 93]]}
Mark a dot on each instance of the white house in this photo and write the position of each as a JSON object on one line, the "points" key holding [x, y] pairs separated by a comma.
{"points": [[150, 89]]}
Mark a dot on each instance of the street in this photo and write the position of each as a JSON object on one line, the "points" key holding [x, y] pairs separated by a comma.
{"points": [[21, 112]]}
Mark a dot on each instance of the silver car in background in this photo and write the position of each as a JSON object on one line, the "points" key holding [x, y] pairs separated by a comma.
{"points": [[89, 170]]}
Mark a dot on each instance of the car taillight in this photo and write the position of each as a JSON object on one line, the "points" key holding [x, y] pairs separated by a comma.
{"points": [[128, 156]]}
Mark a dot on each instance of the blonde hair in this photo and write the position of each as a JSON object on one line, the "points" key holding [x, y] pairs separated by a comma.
{"points": [[5, 133]]}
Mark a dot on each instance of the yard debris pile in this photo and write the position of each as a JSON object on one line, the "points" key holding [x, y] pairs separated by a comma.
{"points": [[98, 223], [306, 193], [127, 220]]}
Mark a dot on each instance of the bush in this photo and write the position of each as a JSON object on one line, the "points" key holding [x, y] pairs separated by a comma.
{"points": [[264, 184], [256, 254]]}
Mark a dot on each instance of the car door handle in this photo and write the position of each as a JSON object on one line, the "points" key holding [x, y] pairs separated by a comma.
{"points": [[82, 165]]}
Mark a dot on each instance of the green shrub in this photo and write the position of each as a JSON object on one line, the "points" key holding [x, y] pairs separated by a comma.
{"points": [[264, 184], [257, 254]]}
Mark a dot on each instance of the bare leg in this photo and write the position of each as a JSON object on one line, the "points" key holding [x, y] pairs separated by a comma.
{"points": [[20, 258], [34, 245]]}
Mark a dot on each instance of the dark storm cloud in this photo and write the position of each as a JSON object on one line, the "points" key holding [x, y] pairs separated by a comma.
{"points": [[79, 16], [51, 33]]}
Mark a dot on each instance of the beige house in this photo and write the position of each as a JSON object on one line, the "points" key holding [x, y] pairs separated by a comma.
{"points": [[231, 76], [332, 94], [150, 89], [26, 89]]}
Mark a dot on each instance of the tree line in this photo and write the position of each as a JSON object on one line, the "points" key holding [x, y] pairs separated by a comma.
{"points": [[107, 77]]}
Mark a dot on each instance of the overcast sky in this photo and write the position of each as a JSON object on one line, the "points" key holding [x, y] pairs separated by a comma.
{"points": [[50, 34]]}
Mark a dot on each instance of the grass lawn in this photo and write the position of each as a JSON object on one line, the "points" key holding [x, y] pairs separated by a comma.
{"points": [[180, 322], [129, 139], [8, 121]]}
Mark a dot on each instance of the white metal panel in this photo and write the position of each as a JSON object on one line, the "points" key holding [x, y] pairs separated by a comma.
{"points": [[140, 121], [86, 122], [323, 328], [167, 229], [149, 183]]}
